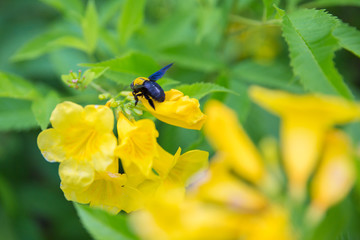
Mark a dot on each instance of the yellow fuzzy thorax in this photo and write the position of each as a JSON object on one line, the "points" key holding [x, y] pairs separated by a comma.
{"points": [[140, 80]]}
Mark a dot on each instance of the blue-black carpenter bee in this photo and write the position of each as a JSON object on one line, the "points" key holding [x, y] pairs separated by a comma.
{"points": [[148, 87]]}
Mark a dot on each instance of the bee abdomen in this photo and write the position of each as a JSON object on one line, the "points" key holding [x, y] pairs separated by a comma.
{"points": [[155, 91]]}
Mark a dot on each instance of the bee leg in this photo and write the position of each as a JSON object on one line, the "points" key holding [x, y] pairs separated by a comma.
{"points": [[136, 97], [150, 101]]}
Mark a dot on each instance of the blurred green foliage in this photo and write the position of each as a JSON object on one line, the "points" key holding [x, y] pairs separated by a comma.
{"points": [[221, 47]]}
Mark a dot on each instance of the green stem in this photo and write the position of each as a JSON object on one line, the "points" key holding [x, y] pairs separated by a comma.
{"points": [[98, 87], [291, 5], [245, 20], [253, 22], [264, 16]]}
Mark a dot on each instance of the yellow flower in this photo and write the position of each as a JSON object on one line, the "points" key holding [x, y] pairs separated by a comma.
{"points": [[148, 166], [82, 139], [169, 171], [137, 143], [305, 120], [177, 110], [221, 187], [273, 223], [336, 173], [183, 168], [169, 217], [228, 137], [221, 205], [109, 191]]}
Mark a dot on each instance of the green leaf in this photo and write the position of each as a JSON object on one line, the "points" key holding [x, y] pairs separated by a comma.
{"points": [[90, 26], [104, 226], [348, 37], [197, 57], [132, 63], [47, 42], [241, 102], [72, 8], [183, 20], [312, 48], [334, 222], [43, 107], [166, 83], [16, 115], [209, 18], [94, 73], [200, 90], [131, 19], [279, 12], [223, 80], [125, 69], [12, 86], [7, 227], [276, 74], [69, 41], [120, 78], [269, 8], [331, 3], [108, 10]]}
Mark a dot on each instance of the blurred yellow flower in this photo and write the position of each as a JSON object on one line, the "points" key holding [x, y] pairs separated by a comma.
{"points": [[183, 167], [169, 171], [81, 139], [177, 110], [220, 205], [108, 191], [137, 143], [305, 120], [170, 216], [222, 187], [228, 137], [336, 173]]}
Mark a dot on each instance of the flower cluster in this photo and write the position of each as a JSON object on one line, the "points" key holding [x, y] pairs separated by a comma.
{"points": [[241, 196], [83, 142]]}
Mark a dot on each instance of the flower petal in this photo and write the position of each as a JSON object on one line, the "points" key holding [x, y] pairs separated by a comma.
{"points": [[177, 110], [137, 143], [49, 143], [165, 161], [302, 141], [226, 135], [306, 119], [66, 115], [222, 187], [110, 192], [320, 107], [76, 174], [81, 134], [336, 170], [187, 165], [104, 154], [100, 117]]}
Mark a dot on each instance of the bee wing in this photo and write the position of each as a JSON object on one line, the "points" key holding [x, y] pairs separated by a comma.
{"points": [[157, 75]]}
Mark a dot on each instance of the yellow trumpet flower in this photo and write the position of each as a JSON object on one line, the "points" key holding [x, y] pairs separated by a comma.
{"points": [[335, 176], [109, 191], [137, 143], [305, 120], [227, 136], [177, 110], [81, 139]]}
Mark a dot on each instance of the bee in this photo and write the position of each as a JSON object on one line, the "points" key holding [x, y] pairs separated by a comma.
{"points": [[148, 88]]}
